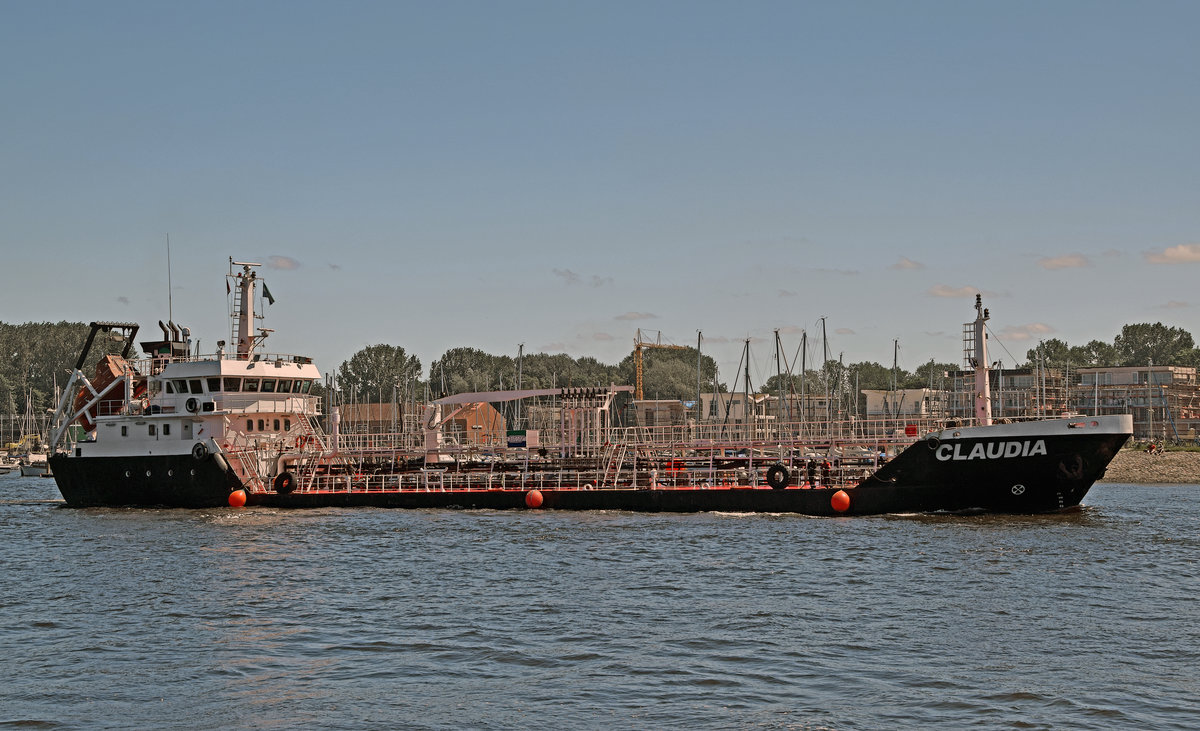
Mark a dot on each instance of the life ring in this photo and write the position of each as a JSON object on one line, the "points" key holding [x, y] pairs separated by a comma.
{"points": [[145, 404], [199, 451], [301, 441], [778, 476], [284, 483], [192, 405]]}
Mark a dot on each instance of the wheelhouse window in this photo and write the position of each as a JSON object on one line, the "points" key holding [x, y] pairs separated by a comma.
{"points": [[170, 388], [214, 385], [181, 386], [262, 425], [304, 386], [250, 384], [249, 424], [268, 385], [233, 385], [197, 385], [285, 386], [277, 425], [287, 424]]}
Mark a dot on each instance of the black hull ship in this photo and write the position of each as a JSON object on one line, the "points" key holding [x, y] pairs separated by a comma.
{"points": [[241, 429]]}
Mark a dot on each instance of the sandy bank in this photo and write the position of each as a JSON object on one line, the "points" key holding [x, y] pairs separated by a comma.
{"points": [[1136, 466]]}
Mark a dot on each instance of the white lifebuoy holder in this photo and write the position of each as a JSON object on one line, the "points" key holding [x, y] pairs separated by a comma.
{"points": [[192, 405]]}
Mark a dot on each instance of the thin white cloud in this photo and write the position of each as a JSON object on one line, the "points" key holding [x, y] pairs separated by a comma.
{"points": [[336, 267], [1067, 261], [123, 300], [636, 316], [788, 293], [568, 276], [844, 331], [1174, 305], [906, 263], [841, 272], [1184, 253], [1025, 332], [943, 290], [282, 262], [598, 281], [602, 337], [790, 330]]}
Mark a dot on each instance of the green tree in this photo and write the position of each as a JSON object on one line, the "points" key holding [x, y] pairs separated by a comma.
{"points": [[1139, 344], [668, 374], [920, 378], [1054, 352], [464, 370], [374, 371]]}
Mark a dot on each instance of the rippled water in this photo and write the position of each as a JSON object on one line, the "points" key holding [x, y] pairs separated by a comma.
{"points": [[446, 619]]}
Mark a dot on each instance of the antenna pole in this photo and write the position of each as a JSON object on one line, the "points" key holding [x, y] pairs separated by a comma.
{"points": [[170, 307]]}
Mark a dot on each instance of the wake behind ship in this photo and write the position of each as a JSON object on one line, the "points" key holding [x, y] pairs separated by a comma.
{"points": [[242, 427]]}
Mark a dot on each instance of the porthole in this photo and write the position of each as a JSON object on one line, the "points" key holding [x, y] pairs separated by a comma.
{"points": [[170, 473], [147, 473], [193, 472], [128, 473]]}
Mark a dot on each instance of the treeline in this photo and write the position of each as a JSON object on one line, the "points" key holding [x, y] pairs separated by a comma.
{"points": [[375, 373], [383, 372], [1135, 345], [39, 355]]}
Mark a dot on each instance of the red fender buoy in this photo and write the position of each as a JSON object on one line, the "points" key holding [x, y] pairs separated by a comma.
{"points": [[237, 499], [840, 501], [533, 499]]}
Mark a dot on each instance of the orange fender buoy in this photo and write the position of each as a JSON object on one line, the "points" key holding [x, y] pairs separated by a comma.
{"points": [[840, 501], [533, 499], [237, 499]]}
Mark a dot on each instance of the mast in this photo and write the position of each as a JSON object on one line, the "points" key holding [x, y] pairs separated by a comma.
{"points": [[779, 376], [243, 307], [983, 393]]}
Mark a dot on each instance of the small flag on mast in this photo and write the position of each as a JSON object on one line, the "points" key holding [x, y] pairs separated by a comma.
{"points": [[227, 289], [267, 294]]}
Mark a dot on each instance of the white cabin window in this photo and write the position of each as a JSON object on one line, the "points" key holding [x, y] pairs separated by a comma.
{"points": [[166, 429], [124, 431], [287, 424], [250, 384], [233, 385], [197, 385], [249, 424], [285, 386], [153, 430], [268, 385], [277, 425], [169, 388], [262, 425], [214, 385]]}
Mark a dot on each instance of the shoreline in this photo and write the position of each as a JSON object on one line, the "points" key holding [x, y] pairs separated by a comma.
{"points": [[1135, 466]]}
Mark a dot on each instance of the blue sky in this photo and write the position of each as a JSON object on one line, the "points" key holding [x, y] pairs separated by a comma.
{"points": [[559, 174]]}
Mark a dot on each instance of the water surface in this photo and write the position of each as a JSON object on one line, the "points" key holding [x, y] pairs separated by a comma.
{"points": [[367, 618]]}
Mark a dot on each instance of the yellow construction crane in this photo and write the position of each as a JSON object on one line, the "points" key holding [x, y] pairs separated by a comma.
{"points": [[638, 345]]}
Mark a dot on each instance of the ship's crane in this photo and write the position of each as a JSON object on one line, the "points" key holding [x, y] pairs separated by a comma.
{"points": [[638, 344]]}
